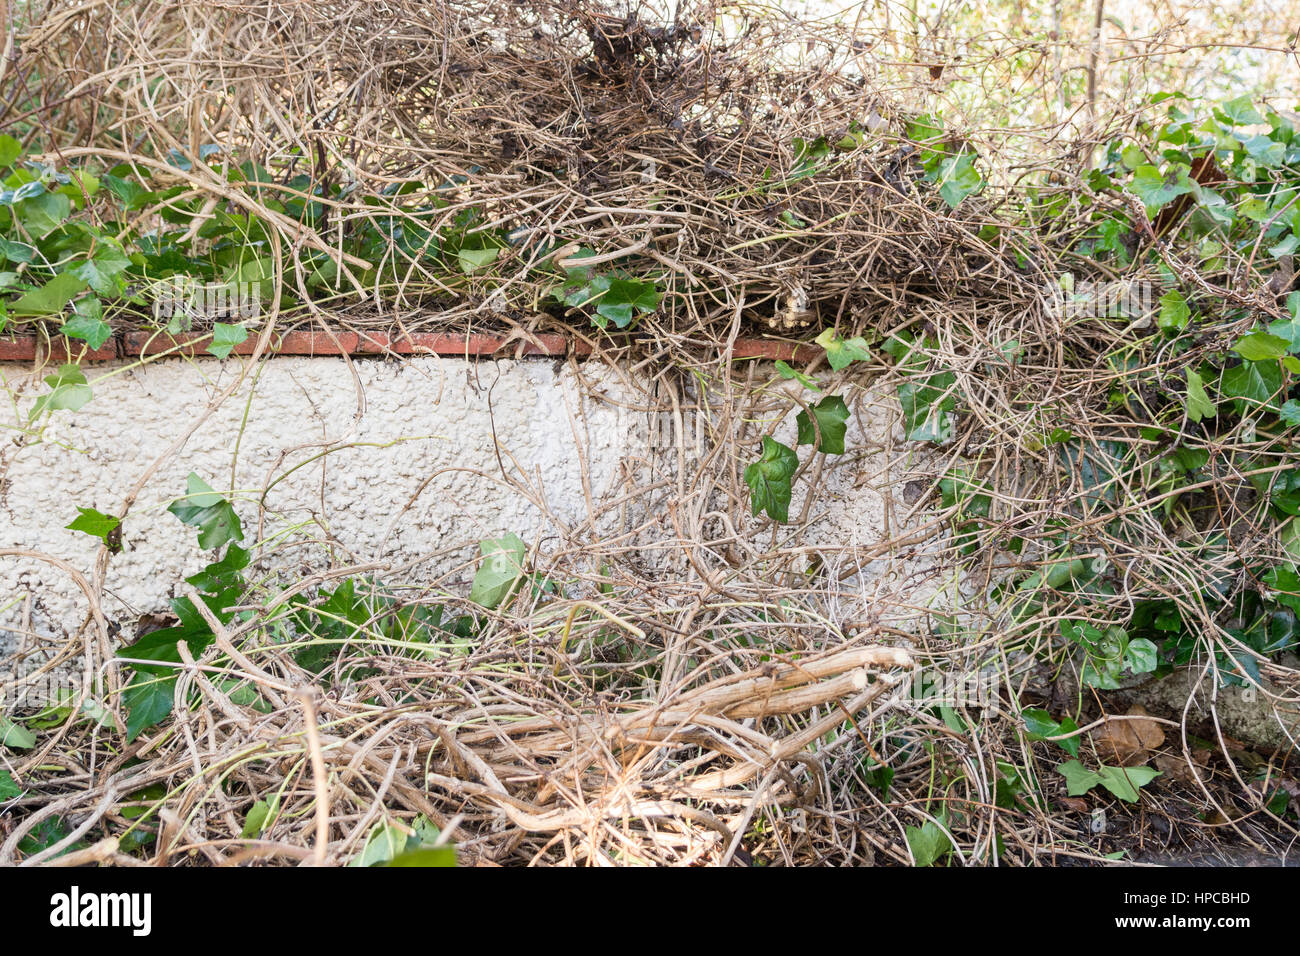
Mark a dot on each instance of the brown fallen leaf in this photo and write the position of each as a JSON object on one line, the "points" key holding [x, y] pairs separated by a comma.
{"points": [[1128, 741], [1077, 804], [1221, 818], [1175, 768]]}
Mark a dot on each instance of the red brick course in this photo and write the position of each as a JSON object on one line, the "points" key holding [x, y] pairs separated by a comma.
{"points": [[27, 348]]}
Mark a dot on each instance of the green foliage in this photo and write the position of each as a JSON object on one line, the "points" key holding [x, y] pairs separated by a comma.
{"points": [[929, 843], [361, 612], [46, 834], [927, 397], [391, 844], [1156, 188], [68, 391], [841, 353], [14, 735], [500, 570], [616, 297], [823, 424], [1261, 346], [259, 817], [149, 695], [1174, 312], [1199, 405], [1108, 653], [1253, 387], [87, 244], [769, 480], [225, 337], [88, 323], [334, 621], [966, 496], [1039, 725], [831, 416], [948, 164], [208, 511], [790, 374], [1238, 182], [1123, 782], [358, 613], [8, 788], [94, 523]]}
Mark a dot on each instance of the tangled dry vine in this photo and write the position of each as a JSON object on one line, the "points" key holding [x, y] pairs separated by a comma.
{"points": [[706, 685]]}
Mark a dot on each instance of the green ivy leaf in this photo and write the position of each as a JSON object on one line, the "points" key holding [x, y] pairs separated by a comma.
{"points": [[45, 835], [131, 194], [769, 480], [1174, 312], [1286, 246], [42, 214], [1240, 112], [27, 190], [1289, 538], [390, 845], [1140, 656], [424, 856], [148, 701], [832, 415], [50, 298], [94, 523], [928, 843], [1289, 328], [88, 323], [927, 406], [258, 814], [791, 374], [225, 337], [1078, 779], [1039, 725], [10, 149], [1261, 346], [208, 511], [842, 353], [1198, 403], [68, 390], [16, 251], [15, 736], [1124, 782], [1156, 189], [960, 486], [1253, 384], [624, 298], [501, 569], [101, 270], [222, 574], [1290, 412], [583, 289], [958, 179], [8, 788], [473, 260]]}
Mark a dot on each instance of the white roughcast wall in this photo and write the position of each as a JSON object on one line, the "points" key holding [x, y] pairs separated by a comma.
{"points": [[427, 423]]}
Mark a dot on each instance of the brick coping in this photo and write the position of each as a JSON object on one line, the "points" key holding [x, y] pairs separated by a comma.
{"points": [[28, 348]]}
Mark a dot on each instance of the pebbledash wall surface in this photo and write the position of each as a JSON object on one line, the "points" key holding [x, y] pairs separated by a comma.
{"points": [[394, 463]]}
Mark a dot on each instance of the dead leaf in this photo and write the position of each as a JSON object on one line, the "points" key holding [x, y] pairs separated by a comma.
{"points": [[1175, 768], [1077, 804], [1223, 817], [1128, 741]]}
